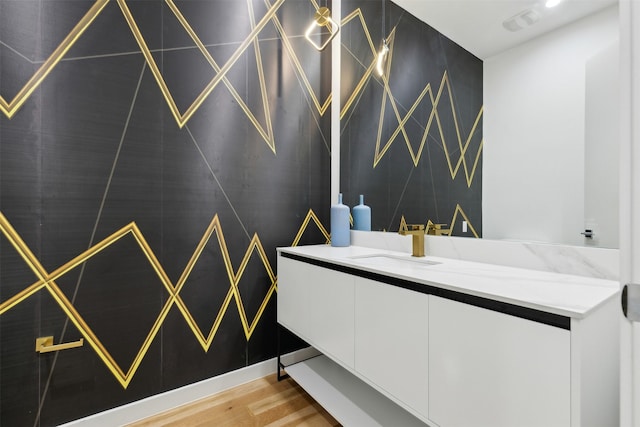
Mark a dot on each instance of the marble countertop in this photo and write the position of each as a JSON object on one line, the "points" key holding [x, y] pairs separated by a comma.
{"points": [[563, 294]]}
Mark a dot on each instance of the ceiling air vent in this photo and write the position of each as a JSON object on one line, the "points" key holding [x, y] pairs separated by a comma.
{"points": [[521, 20]]}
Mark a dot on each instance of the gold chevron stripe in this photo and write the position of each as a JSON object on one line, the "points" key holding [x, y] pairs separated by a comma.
{"points": [[183, 118], [47, 281], [10, 108], [267, 134], [435, 102], [311, 216]]}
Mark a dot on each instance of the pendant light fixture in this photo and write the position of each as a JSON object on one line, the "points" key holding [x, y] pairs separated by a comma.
{"points": [[322, 18], [384, 49]]}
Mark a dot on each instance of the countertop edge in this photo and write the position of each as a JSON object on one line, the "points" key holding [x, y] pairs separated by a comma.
{"points": [[608, 291]]}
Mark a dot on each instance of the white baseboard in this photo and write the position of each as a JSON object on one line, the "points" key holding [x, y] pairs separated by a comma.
{"points": [[153, 405]]}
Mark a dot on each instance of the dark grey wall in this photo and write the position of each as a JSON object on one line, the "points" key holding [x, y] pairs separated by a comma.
{"points": [[93, 144]]}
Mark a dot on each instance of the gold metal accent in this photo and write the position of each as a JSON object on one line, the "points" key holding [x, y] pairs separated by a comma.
{"points": [[417, 232], [311, 216], [46, 345], [10, 108], [322, 18], [437, 229], [458, 210], [46, 280]]}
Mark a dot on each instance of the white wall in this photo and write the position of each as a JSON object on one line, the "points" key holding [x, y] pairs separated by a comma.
{"points": [[602, 147], [534, 132]]}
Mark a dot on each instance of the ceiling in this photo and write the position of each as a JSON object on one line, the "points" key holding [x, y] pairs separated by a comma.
{"points": [[477, 25]]}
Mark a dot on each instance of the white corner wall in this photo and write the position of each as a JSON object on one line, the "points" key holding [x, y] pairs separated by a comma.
{"points": [[534, 133]]}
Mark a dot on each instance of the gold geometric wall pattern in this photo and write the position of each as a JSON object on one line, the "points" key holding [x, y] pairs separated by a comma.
{"points": [[369, 70], [435, 104], [10, 108], [463, 142], [322, 107], [47, 280], [252, 38]]}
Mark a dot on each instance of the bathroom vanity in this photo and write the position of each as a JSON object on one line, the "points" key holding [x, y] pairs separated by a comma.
{"points": [[408, 341]]}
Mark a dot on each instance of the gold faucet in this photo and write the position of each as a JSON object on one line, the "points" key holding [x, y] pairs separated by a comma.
{"points": [[417, 231]]}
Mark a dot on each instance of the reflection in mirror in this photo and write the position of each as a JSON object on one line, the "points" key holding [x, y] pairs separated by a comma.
{"points": [[550, 131], [537, 98], [411, 138]]}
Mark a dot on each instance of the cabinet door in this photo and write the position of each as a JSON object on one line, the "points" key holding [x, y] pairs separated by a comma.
{"points": [[317, 305], [491, 369], [392, 343]]}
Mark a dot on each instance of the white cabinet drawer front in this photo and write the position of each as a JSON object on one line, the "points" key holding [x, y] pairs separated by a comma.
{"points": [[392, 342], [293, 296], [491, 369], [318, 305]]}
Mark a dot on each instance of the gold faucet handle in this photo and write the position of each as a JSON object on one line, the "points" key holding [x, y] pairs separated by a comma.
{"points": [[411, 229], [437, 229]]}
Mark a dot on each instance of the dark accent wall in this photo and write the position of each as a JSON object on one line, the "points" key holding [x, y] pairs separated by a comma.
{"points": [[411, 141], [153, 154]]}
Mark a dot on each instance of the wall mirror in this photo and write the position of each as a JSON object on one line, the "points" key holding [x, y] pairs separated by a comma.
{"points": [[550, 123]]}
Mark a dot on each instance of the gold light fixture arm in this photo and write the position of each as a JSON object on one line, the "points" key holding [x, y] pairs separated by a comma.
{"points": [[46, 345]]}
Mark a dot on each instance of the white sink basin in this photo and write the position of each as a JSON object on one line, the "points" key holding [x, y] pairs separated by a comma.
{"points": [[391, 261]]}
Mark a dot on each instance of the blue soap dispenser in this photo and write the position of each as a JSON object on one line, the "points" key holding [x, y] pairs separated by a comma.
{"points": [[362, 216], [340, 232]]}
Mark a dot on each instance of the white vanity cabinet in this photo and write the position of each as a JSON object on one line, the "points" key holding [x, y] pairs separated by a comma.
{"points": [[392, 343], [496, 370], [450, 344]]}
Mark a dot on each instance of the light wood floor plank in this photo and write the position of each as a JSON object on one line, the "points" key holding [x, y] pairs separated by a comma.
{"points": [[259, 403]]}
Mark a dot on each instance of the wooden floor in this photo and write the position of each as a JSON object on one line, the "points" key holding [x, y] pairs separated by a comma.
{"points": [[264, 402]]}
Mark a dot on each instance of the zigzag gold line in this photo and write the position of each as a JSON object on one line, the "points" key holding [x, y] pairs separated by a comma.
{"points": [[387, 92], [365, 78], [379, 153], [311, 216], [466, 218], [261, 78], [463, 149], [236, 55], [47, 281], [183, 118], [266, 135], [10, 108]]}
